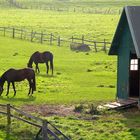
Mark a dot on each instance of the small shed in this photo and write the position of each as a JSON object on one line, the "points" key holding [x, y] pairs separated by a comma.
{"points": [[126, 45]]}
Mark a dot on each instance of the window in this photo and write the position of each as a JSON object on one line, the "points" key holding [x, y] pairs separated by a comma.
{"points": [[134, 64]]}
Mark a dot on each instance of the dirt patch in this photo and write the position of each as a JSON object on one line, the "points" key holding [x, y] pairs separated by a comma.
{"points": [[50, 110]]}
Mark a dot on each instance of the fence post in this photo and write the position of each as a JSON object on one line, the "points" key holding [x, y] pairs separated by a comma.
{"points": [[95, 46], [72, 39], [41, 38], [8, 114], [4, 30], [8, 119], [82, 39], [104, 47], [59, 41], [32, 36], [21, 35], [13, 35], [51, 38], [44, 130]]}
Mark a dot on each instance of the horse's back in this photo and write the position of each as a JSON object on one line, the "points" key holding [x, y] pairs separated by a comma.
{"points": [[19, 74], [42, 57], [47, 55]]}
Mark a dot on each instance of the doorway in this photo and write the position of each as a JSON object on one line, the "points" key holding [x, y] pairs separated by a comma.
{"points": [[134, 78]]}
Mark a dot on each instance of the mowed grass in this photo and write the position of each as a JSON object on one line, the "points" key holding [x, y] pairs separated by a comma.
{"points": [[78, 77]]}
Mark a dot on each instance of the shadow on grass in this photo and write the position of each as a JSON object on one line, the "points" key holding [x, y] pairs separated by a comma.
{"points": [[17, 99], [47, 76]]}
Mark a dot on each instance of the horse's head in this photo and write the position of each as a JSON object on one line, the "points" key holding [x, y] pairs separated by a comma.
{"points": [[29, 65]]}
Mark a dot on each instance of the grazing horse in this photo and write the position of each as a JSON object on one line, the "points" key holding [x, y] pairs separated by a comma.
{"points": [[13, 75], [43, 57]]}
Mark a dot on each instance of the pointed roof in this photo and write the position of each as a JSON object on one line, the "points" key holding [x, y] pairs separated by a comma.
{"points": [[130, 14]]}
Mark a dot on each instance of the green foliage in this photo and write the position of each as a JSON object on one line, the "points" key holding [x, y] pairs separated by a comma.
{"points": [[79, 108], [93, 109]]}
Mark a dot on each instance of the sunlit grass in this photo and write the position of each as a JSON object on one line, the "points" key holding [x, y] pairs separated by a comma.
{"points": [[71, 83]]}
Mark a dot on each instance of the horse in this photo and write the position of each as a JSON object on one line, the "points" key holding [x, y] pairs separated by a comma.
{"points": [[14, 75], [39, 57]]}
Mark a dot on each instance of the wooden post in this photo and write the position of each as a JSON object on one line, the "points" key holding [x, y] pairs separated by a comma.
{"points": [[72, 39], [4, 30], [32, 36], [95, 46], [44, 130], [13, 35], [21, 35], [41, 38], [51, 38], [8, 120], [8, 114], [59, 41], [104, 47], [82, 39]]}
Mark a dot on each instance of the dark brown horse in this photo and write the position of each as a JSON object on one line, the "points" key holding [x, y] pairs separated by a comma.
{"points": [[43, 57], [13, 75]]}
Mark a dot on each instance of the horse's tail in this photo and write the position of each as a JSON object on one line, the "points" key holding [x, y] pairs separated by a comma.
{"points": [[34, 83], [51, 64]]}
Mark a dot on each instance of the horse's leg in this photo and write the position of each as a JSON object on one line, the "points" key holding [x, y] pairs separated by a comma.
{"points": [[29, 87], [13, 84], [38, 69], [47, 65], [8, 85]]}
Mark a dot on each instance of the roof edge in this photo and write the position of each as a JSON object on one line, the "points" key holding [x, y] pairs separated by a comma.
{"points": [[132, 30]]}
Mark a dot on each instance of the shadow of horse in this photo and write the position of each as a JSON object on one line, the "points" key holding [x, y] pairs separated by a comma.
{"points": [[48, 76], [17, 99]]}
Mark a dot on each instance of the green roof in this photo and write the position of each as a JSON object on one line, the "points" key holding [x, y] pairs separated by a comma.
{"points": [[130, 14]]}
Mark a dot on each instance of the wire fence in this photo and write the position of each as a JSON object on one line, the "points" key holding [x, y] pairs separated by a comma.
{"points": [[64, 8]]}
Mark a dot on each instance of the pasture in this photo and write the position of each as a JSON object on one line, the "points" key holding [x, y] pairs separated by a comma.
{"points": [[77, 76], [81, 79], [61, 24]]}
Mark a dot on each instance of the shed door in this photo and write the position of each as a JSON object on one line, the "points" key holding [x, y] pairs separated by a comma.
{"points": [[134, 77]]}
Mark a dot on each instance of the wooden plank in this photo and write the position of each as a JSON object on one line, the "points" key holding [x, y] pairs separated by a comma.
{"points": [[53, 134], [118, 104], [27, 115], [109, 106], [26, 121], [58, 131]]}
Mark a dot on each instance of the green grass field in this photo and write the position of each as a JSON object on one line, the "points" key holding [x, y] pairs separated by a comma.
{"points": [[71, 83], [79, 78], [63, 24]]}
